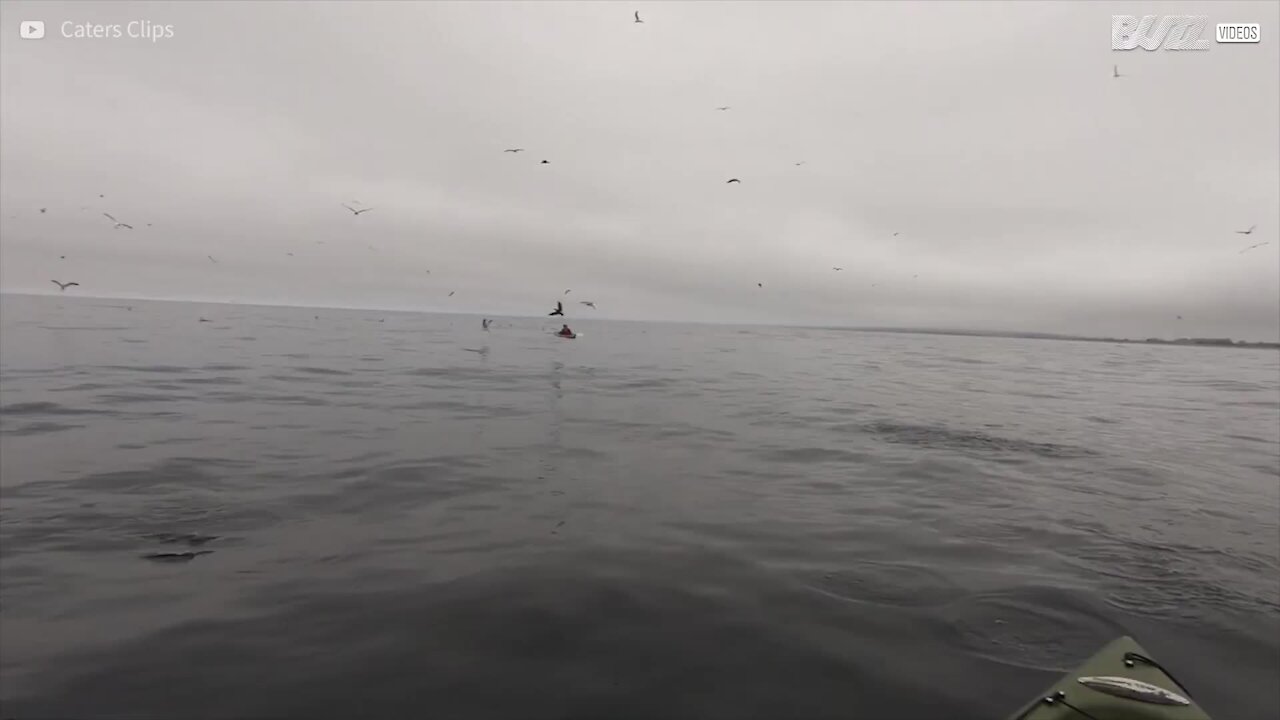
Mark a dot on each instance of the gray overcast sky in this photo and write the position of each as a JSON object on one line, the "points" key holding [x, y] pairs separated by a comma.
{"points": [[1032, 190]]}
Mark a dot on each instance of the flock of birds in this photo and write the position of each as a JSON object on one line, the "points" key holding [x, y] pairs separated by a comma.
{"points": [[356, 209]]}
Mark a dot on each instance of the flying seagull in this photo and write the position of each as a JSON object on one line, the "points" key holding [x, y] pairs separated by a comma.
{"points": [[215, 262], [759, 284], [734, 180], [566, 292], [1179, 317], [62, 287], [117, 222], [43, 210], [896, 234], [205, 320], [451, 292], [558, 311], [355, 211], [62, 257], [837, 269], [514, 150], [1255, 245], [545, 162], [1246, 232], [638, 17], [1115, 71], [726, 107], [802, 162], [588, 303]]}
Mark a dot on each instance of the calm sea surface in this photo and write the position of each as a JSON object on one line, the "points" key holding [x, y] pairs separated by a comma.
{"points": [[653, 521]]}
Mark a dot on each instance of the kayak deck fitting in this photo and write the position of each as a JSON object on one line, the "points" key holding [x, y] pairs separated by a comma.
{"points": [[1120, 682]]}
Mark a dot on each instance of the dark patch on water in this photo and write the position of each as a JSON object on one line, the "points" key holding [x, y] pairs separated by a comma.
{"points": [[162, 369], [37, 428], [175, 557], [808, 455], [320, 371], [941, 437], [46, 408]]}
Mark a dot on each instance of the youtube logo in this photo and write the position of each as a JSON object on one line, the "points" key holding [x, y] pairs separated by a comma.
{"points": [[31, 29]]}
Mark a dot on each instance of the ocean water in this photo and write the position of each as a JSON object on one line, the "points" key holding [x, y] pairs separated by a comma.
{"points": [[291, 512]]}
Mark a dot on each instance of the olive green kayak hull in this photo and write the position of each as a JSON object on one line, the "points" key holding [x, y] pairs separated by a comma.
{"points": [[1115, 684]]}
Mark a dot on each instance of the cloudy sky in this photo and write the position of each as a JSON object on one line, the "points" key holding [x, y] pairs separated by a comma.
{"points": [[1031, 189]]}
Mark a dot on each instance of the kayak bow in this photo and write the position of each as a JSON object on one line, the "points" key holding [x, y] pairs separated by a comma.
{"points": [[1120, 682]]}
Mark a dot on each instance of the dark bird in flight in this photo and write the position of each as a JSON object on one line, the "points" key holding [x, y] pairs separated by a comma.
{"points": [[215, 262], [62, 257], [355, 211], [545, 162], [514, 150], [759, 284], [638, 17], [588, 303], [43, 210], [1255, 245], [802, 162], [62, 287], [566, 292], [102, 196], [726, 107], [289, 254], [558, 311], [118, 224], [205, 320], [733, 180], [896, 234], [451, 292], [1179, 317], [1246, 232], [1115, 71], [837, 269], [484, 323]]}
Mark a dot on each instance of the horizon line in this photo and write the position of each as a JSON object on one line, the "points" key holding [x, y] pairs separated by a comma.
{"points": [[973, 332]]}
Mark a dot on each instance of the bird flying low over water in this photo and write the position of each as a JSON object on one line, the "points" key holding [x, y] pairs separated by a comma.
{"points": [[484, 323], [514, 150], [355, 211], [638, 17], [558, 311], [733, 180], [1246, 232], [118, 224], [62, 287], [588, 303]]}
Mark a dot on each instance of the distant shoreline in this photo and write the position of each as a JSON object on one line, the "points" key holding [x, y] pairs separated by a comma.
{"points": [[1191, 342], [1021, 335]]}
